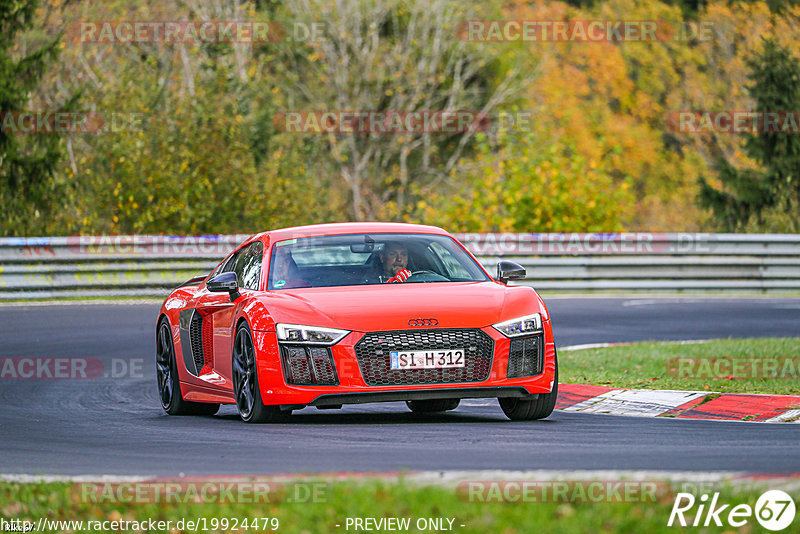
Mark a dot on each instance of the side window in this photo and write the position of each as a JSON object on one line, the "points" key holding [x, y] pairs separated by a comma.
{"points": [[246, 263], [248, 268], [228, 264]]}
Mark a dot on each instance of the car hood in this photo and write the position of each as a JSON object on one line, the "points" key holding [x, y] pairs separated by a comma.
{"points": [[391, 307]]}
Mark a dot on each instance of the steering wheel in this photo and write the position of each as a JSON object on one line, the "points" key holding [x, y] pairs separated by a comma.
{"points": [[436, 277]]}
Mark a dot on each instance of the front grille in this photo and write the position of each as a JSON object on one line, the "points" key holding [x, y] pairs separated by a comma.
{"points": [[525, 357], [196, 337], [305, 365], [372, 352]]}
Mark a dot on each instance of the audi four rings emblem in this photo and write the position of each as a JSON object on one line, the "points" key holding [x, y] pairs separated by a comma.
{"points": [[423, 322]]}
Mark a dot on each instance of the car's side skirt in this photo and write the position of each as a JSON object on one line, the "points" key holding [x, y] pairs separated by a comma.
{"points": [[195, 393]]}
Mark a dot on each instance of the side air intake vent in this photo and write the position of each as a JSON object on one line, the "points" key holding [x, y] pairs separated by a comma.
{"points": [[525, 357], [196, 336], [305, 365]]}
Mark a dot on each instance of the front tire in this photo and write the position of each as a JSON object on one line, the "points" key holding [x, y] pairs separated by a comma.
{"points": [[169, 387], [245, 383], [521, 409], [433, 405]]}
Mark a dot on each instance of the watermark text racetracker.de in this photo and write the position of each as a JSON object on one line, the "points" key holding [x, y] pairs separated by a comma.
{"points": [[734, 368], [65, 122], [155, 245], [562, 491], [189, 32], [584, 31], [419, 121], [210, 246], [734, 122], [69, 368], [176, 31], [396, 122], [582, 243], [204, 491]]}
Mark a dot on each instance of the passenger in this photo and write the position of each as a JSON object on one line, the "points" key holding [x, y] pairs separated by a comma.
{"points": [[394, 258], [284, 272]]}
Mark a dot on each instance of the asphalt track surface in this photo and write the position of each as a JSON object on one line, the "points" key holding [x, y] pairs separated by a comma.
{"points": [[116, 426]]}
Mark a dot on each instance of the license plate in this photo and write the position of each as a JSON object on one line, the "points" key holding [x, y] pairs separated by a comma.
{"points": [[426, 359]]}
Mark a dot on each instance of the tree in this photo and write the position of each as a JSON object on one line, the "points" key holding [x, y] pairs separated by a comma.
{"points": [[192, 149], [392, 56], [608, 100], [768, 198], [28, 188], [526, 181]]}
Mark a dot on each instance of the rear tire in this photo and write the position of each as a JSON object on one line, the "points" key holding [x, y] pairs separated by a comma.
{"points": [[169, 387], [245, 383], [433, 405], [521, 409]]}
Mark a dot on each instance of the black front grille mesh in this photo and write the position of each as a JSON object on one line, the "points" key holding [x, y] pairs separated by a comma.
{"points": [[305, 365], [322, 362], [525, 357], [372, 352], [196, 337]]}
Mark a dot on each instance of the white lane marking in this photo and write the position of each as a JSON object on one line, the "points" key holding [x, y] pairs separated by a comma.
{"points": [[666, 300], [94, 302], [708, 299], [590, 346], [111, 479], [452, 478], [637, 402], [789, 416], [604, 345]]}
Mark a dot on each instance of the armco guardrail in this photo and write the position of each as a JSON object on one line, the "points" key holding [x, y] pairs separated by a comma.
{"points": [[151, 265]]}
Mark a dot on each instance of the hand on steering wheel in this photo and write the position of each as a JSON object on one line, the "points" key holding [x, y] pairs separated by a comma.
{"points": [[401, 276]]}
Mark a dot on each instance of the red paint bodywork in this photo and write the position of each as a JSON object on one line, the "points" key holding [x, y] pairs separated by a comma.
{"points": [[357, 308]]}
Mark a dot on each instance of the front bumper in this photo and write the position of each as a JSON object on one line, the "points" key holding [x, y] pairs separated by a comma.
{"points": [[337, 399], [352, 388]]}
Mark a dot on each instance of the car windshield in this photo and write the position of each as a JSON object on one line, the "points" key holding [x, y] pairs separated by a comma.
{"points": [[362, 259]]}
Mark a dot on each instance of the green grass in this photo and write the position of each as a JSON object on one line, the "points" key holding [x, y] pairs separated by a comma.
{"points": [[687, 366], [62, 501]]}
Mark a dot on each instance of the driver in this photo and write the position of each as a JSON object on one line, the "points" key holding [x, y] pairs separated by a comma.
{"points": [[284, 272], [394, 258]]}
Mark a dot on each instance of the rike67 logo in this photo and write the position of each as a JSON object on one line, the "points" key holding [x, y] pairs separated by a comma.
{"points": [[774, 510]]}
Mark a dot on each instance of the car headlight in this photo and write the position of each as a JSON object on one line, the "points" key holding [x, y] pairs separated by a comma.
{"points": [[317, 335], [521, 326]]}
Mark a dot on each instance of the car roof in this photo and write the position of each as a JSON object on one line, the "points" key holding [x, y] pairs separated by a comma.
{"points": [[349, 228]]}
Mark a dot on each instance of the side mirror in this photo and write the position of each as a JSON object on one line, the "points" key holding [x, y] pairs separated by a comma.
{"points": [[508, 270], [224, 282]]}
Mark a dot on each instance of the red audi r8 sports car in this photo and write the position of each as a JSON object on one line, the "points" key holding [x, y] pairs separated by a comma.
{"points": [[335, 314]]}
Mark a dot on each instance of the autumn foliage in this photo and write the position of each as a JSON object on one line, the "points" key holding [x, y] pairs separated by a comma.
{"points": [[194, 145]]}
